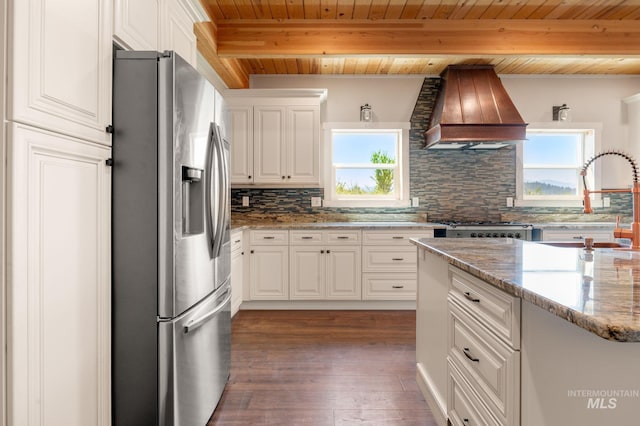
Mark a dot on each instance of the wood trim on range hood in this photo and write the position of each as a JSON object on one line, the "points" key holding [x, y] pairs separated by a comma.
{"points": [[473, 110]]}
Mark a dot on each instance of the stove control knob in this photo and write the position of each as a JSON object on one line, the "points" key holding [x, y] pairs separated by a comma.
{"points": [[473, 235], [480, 235], [518, 235], [503, 235], [495, 235], [510, 235]]}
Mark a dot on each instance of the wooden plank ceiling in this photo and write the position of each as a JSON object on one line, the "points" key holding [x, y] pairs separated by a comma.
{"points": [[381, 37]]}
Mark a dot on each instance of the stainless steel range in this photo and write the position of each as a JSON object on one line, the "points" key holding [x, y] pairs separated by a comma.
{"points": [[520, 231]]}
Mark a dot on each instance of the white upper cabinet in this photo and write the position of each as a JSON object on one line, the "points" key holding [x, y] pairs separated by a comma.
{"points": [[60, 66], [274, 136], [135, 24], [176, 30]]}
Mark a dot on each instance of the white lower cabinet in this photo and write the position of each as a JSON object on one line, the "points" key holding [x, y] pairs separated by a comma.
{"points": [[325, 265], [59, 283], [389, 264], [482, 358], [237, 271], [269, 265], [577, 234]]}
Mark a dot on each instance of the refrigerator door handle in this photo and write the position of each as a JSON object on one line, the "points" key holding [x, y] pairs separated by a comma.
{"points": [[209, 187], [222, 193], [196, 323]]}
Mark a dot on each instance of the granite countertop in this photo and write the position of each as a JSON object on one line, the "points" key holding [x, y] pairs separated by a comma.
{"points": [[596, 290], [335, 225]]}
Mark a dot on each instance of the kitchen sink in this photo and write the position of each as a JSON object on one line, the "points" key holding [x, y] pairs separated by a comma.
{"points": [[580, 244]]}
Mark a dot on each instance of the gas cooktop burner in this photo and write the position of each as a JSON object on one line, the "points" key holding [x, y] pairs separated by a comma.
{"points": [[480, 229]]}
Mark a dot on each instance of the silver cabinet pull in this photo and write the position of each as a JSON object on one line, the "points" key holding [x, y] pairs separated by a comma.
{"points": [[307, 238], [579, 237], [467, 353], [397, 286], [343, 237], [269, 238], [397, 238], [237, 241], [397, 258], [468, 296]]}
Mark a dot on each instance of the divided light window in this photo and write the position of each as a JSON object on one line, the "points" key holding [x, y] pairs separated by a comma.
{"points": [[365, 164], [552, 161]]}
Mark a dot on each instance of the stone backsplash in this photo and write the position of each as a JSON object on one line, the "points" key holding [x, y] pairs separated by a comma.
{"points": [[451, 185]]}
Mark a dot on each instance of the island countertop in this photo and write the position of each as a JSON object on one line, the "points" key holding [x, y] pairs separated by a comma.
{"points": [[597, 290]]}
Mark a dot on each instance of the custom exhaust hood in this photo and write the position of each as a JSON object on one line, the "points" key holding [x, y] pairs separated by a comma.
{"points": [[473, 111]]}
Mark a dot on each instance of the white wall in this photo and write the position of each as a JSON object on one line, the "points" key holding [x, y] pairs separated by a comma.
{"points": [[591, 99], [391, 98]]}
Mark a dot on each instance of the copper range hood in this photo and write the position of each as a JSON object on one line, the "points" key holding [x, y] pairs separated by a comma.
{"points": [[473, 111]]}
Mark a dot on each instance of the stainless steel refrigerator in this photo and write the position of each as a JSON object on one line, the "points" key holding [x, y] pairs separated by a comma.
{"points": [[171, 251]]}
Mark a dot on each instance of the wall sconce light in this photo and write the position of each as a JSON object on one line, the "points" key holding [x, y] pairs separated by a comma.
{"points": [[365, 113], [561, 113]]}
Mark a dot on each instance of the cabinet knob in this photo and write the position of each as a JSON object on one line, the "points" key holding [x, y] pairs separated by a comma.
{"points": [[251, 251], [282, 177], [249, 177], [288, 177], [328, 251]]}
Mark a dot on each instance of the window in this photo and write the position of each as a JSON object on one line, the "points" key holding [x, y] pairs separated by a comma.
{"points": [[366, 166], [550, 162]]}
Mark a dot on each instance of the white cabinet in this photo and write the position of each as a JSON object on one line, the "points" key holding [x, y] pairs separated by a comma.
{"points": [[156, 25], [269, 265], [274, 141], [577, 234], [60, 72], [389, 264], [59, 283], [239, 122], [176, 30], [484, 342], [325, 265], [237, 271], [135, 24]]}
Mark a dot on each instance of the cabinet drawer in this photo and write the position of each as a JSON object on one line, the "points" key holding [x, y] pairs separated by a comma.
{"points": [[269, 238], [236, 241], [386, 259], [305, 237], [389, 286], [490, 365], [577, 235], [343, 237], [396, 238], [499, 311], [464, 407]]}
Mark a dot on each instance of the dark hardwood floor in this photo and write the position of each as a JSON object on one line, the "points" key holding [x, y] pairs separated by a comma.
{"points": [[323, 368]]}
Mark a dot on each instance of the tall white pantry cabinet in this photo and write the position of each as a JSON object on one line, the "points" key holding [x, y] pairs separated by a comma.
{"points": [[57, 245]]}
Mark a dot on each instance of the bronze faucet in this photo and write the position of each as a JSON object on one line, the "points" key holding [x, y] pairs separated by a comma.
{"points": [[632, 234]]}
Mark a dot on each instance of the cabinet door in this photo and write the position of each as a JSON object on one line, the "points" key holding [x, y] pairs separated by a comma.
{"points": [[239, 122], [59, 282], [176, 31], [577, 234], [60, 73], [135, 24], [303, 144], [307, 274], [269, 273], [237, 279], [269, 147], [344, 273]]}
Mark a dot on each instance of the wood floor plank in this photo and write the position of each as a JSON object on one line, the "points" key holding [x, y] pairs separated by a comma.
{"points": [[323, 368]]}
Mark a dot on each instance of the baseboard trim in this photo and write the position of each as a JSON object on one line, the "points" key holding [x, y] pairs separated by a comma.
{"points": [[329, 304]]}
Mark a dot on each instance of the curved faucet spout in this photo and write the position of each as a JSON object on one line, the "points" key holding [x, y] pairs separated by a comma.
{"points": [[634, 233]]}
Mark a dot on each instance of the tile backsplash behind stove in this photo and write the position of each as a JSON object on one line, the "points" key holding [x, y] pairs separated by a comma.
{"points": [[451, 185]]}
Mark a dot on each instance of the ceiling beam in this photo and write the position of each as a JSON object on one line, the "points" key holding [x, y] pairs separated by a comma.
{"points": [[321, 37], [228, 69]]}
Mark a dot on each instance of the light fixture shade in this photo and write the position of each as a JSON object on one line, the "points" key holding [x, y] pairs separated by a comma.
{"points": [[365, 113]]}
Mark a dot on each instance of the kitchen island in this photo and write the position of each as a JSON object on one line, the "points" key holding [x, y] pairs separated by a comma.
{"points": [[513, 332]]}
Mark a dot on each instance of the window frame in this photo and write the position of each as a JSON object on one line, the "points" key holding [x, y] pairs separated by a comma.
{"points": [[560, 201], [331, 199]]}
